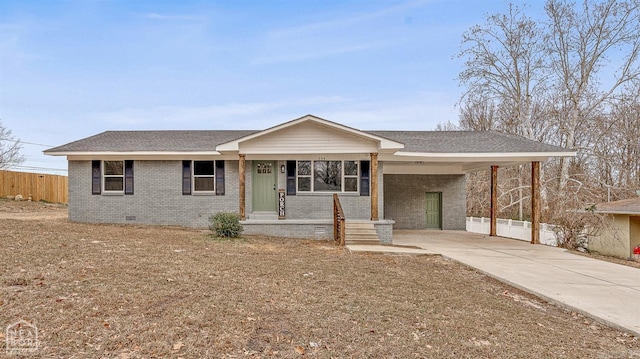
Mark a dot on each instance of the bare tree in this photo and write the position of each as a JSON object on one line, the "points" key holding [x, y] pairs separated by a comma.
{"points": [[506, 80], [580, 43], [504, 63], [9, 149]]}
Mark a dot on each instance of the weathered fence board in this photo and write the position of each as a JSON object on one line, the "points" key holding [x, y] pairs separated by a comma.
{"points": [[38, 186]]}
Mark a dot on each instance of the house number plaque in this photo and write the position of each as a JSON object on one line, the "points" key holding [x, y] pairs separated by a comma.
{"points": [[281, 213]]}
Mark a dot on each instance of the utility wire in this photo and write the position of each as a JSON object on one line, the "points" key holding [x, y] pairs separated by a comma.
{"points": [[28, 143]]}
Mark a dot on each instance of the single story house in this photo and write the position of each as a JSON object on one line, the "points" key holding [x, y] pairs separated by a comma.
{"points": [[623, 234], [282, 179]]}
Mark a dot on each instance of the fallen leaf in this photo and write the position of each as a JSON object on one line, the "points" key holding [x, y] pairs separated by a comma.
{"points": [[299, 350]]}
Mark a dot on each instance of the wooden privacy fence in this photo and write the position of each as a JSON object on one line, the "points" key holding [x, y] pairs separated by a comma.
{"points": [[40, 187]]}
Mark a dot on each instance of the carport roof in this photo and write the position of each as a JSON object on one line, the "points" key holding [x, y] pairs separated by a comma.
{"points": [[465, 142]]}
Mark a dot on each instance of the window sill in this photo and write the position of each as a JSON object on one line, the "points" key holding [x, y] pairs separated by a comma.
{"points": [[203, 193], [105, 193]]}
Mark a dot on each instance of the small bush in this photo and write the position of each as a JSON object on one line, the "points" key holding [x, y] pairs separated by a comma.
{"points": [[226, 224]]}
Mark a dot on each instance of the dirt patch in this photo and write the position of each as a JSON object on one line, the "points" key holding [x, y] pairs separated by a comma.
{"points": [[155, 292], [30, 210]]}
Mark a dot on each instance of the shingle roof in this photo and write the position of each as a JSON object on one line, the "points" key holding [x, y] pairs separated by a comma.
{"points": [[626, 206], [465, 142], [162, 141], [414, 141]]}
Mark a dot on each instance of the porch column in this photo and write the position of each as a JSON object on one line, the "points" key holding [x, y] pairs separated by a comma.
{"points": [[242, 186], [374, 186], [494, 200], [535, 202]]}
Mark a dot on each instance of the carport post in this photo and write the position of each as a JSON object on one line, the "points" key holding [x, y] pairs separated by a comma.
{"points": [[373, 177], [535, 202], [241, 174], [494, 200]]}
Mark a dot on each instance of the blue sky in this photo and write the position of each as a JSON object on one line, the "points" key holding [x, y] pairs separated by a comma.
{"points": [[71, 69]]}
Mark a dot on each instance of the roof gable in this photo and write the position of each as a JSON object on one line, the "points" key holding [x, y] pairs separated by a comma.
{"points": [[333, 134]]}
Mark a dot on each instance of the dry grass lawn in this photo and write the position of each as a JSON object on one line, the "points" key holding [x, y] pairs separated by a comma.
{"points": [[110, 291]]}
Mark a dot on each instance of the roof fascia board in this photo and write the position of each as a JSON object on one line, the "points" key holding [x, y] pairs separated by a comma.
{"points": [[466, 155], [628, 213], [134, 153]]}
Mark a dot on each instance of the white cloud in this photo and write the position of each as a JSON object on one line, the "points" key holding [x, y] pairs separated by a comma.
{"points": [[235, 115], [349, 34], [154, 15], [422, 112]]}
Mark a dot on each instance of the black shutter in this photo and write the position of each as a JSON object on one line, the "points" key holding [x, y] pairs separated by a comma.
{"points": [[128, 177], [364, 178], [220, 178], [186, 177], [96, 177], [291, 178]]}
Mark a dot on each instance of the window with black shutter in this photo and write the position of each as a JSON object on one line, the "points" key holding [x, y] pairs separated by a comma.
{"points": [[203, 177]]}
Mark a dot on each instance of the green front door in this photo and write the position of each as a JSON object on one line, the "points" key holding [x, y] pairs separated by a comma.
{"points": [[432, 210], [264, 186]]}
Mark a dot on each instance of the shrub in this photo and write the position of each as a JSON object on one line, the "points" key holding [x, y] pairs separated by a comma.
{"points": [[226, 224]]}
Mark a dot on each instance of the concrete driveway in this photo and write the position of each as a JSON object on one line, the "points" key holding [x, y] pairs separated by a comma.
{"points": [[607, 292]]}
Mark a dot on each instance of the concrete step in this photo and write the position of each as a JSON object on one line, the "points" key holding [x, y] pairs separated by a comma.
{"points": [[361, 233], [371, 242], [262, 216]]}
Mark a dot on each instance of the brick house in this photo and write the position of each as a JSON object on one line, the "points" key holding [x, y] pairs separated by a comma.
{"points": [[281, 180]]}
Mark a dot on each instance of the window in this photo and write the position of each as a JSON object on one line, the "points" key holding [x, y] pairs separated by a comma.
{"points": [[327, 176], [304, 176], [350, 176], [203, 177], [111, 177]]}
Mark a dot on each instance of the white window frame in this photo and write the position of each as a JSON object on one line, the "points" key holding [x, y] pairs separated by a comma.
{"points": [[194, 176], [105, 176], [356, 176], [342, 176]]}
